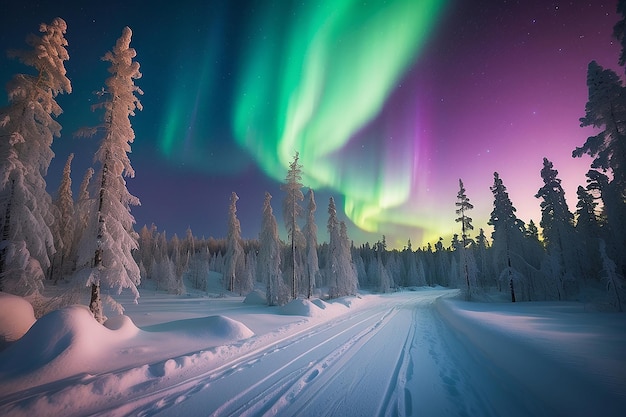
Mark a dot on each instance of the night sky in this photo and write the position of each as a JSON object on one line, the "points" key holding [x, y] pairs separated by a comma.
{"points": [[388, 102]]}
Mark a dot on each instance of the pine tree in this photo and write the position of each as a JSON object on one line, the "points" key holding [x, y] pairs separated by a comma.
{"points": [[507, 233], [588, 232], [606, 110], [342, 275], [614, 281], [112, 239], [64, 224], [558, 228], [310, 235], [291, 212], [482, 260], [82, 214], [464, 205], [27, 129], [619, 30], [234, 258], [147, 244], [268, 266], [180, 261]]}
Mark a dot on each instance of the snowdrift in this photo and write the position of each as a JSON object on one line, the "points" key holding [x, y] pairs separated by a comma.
{"points": [[16, 317], [69, 342], [318, 308], [255, 297]]}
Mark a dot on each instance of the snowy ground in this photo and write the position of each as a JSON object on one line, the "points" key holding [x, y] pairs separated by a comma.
{"points": [[408, 353]]}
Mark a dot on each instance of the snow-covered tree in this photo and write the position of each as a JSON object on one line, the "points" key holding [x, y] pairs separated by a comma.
{"points": [[467, 262], [507, 235], [310, 235], [557, 223], [588, 232], [463, 206], [82, 215], [27, 129], [619, 30], [606, 111], [268, 261], [292, 211], [614, 281], [147, 246], [64, 225], [234, 257], [485, 271], [343, 278], [198, 271], [111, 239], [180, 261]]}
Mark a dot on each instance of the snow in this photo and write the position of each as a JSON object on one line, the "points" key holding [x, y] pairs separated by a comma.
{"points": [[421, 352], [255, 297], [16, 317]]}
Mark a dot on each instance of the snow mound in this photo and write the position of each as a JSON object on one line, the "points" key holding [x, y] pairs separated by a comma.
{"points": [[63, 342], [256, 297], [216, 329], [16, 317], [301, 307], [123, 326]]}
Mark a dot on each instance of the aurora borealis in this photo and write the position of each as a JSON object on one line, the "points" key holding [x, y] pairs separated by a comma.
{"points": [[313, 84], [389, 103]]}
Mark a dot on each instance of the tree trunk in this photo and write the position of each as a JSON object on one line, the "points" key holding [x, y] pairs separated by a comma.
{"points": [[6, 233], [95, 305]]}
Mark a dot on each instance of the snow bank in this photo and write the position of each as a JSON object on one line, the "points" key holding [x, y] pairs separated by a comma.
{"points": [[16, 317], [216, 329], [301, 307], [62, 343], [256, 297], [559, 338], [319, 308], [69, 342]]}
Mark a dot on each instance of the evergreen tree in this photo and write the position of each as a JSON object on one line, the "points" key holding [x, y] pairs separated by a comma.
{"points": [[112, 239], [342, 274], [310, 235], [619, 30], [507, 234], [64, 225], [234, 258], [614, 281], [291, 212], [198, 271], [147, 244], [588, 232], [485, 272], [180, 261], [268, 261], [27, 129], [558, 229], [464, 205], [81, 213], [606, 110]]}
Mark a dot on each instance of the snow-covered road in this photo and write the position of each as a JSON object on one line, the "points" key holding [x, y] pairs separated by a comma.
{"points": [[396, 357]]}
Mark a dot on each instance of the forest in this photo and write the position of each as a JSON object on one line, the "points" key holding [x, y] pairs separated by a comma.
{"points": [[88, 243]]}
